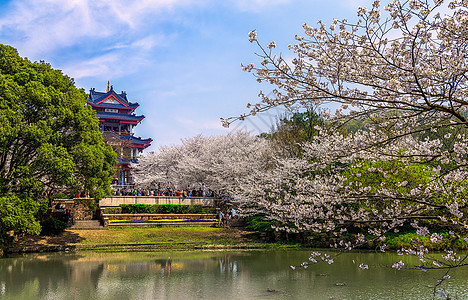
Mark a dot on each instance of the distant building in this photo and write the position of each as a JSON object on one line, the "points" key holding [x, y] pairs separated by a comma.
{"points": [[116, 122]]}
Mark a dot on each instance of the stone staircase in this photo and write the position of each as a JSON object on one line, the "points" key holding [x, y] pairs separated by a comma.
{"points": [[87, 225]]}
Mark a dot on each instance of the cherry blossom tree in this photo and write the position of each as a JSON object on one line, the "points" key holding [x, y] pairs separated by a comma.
{"points": [[401, 70], [221, 163]]}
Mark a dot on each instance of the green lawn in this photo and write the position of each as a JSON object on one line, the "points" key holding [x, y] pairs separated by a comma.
{"points": [[146, 235]]}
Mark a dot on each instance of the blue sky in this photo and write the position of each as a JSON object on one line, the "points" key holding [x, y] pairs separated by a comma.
{"points": [[180, 59]]}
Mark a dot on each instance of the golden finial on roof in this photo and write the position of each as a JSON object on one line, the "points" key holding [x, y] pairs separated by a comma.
{"points": [[108, 86]]}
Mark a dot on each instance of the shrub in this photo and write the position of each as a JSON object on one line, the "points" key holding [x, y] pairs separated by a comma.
{"points": [[113, 210], [60, 196], [52, 226], [90, 203], [258, 223], [125, 208], [175, 208], [195, 209], [134, 208]]}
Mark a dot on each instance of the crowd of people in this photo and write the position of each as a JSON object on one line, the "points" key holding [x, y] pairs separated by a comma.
{"points": [[169, 192]]}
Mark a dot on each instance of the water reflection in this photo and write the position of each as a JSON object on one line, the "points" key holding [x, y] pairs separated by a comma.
{"points": [[213, 275]]}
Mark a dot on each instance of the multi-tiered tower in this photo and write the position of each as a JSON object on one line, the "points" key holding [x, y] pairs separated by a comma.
{"points": [[116, 122]]}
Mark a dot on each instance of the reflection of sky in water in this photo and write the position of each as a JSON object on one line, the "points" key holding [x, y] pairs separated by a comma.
{"points": [[215, 275]]}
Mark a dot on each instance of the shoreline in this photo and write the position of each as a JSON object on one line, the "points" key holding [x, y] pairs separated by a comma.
{"points": [[176, 239], [156, 247], [143, 239]]}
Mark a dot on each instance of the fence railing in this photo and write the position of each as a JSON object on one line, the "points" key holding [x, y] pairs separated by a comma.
{"points": [[117, 200], [122, 186]]}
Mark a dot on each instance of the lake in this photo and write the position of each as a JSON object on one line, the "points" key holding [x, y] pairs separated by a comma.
{"points": [[217, 275]]}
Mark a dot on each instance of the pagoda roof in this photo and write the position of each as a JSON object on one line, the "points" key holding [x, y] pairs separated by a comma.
{"points": [[110, 99], [117, 116], [131, 106], [137, 140], [123, 161]]}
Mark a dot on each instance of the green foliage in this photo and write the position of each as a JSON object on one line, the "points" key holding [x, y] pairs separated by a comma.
{"points": [[389, 175], [60, 196], [174, 209], [411, 239], [259, 224], [49, 140], [92, 204], [352, 126], [113, 210], [159, 209], [460, 191], [53, 226], [195, 209], [134, 208], [19, 214], [291, 132]]}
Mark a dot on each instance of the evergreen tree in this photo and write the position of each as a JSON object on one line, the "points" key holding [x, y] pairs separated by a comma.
{"points": [[49, 141]]}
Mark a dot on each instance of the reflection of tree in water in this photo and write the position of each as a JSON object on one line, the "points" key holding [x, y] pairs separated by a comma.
{"points": [[81, 278], [228, 266], [85, 278], [48, 274], [166, 266], [129, 276], [240, 275]]}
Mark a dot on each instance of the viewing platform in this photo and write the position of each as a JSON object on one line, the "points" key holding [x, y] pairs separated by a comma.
{"points": [[152, 200]]}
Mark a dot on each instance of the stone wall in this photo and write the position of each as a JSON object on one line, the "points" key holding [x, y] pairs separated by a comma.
{"points": [[81, 208]]}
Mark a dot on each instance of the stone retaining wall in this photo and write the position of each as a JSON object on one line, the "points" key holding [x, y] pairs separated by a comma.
{"points": [[81, 208]]}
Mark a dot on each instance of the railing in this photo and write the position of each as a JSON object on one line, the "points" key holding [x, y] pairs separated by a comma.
{"points": [[117, 200], [122, 186], [118, 133]]}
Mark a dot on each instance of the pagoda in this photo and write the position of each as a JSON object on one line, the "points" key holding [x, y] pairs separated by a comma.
{"points": [[116, 122]]}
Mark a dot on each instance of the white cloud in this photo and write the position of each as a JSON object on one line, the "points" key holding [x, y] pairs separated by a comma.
{"points": [[143, 44], [43, 26], [116, 64], [256, 5], [149, 42], [96, 67], [119, 40], [38, 27]]}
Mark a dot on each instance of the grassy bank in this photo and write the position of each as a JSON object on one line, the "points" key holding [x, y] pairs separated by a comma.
{"points": [[186, 238], [398, 241], [146, 238]]}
